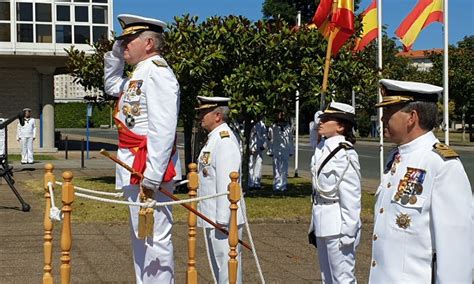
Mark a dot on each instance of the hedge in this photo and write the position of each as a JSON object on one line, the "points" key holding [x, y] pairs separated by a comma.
{"points": [[73, 115]]}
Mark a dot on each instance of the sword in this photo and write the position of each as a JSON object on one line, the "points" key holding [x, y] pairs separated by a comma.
{"points": [[172, 196]]}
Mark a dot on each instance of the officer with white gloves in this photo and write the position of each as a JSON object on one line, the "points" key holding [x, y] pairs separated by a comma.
{"points": [[422, 228], [218, 158], [26, 134], [258, 139], [280, 148], [146, 116], [335, 220], [313, 130]]}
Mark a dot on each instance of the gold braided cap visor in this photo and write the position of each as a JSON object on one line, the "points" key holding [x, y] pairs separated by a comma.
{"points": [[206, 106], [393, 100], [132, 30]]}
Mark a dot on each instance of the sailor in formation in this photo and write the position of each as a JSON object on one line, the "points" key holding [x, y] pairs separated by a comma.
{"points": [[26, 134]]}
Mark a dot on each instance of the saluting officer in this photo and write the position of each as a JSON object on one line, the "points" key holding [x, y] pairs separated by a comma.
{"points": [[218, 158], [146, 116], [258, 139], [335, 219], [422, 229], [26, 134]]}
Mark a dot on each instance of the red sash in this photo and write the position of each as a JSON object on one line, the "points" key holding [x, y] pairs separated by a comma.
{"points": [[137, 144]]}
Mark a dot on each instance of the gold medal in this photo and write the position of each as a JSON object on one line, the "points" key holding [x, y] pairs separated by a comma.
{"points": [[135, 109], [126, 109], [412, 199], [418, 188], [397, 196]]}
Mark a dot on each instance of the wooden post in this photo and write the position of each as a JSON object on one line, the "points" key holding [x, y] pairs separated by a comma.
{"points": [[193, 183], [48, 225], [234, 197], [66, 235]]}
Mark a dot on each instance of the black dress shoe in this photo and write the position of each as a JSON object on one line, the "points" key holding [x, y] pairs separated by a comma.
{"points": [[23, 163]]}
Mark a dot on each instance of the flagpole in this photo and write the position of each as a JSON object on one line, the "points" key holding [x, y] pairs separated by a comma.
{"points": [[445, 74], [327, 61], [297, 122], [379, 66]]}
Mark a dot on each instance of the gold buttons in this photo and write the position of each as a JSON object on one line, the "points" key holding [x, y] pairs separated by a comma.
{"points": [[375, 237], [374, 263], [381, 210], [389, 185]]}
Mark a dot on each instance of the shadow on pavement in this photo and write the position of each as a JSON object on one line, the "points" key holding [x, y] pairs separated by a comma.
{"points": [[73, 145]]}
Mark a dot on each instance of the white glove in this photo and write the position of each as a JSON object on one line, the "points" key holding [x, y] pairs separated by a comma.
{"points": [[317, 119], [117, 49], [346, 240], [147, 183]]}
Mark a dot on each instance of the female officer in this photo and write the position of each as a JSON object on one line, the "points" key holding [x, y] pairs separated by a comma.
{"points": [[335, 224]]}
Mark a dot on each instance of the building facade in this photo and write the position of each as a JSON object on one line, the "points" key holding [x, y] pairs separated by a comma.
{"points": [[33, 37]]}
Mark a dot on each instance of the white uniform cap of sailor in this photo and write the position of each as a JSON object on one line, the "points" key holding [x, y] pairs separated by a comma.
{"points": [[399, 92], [339, 111], [212, 102], [133, 24], [27, 109]]}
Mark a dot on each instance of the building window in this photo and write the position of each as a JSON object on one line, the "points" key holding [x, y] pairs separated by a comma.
{"points": [[81, 34], [99, 33], [24, 12], [81, 13], [99, 14], [43, 12], [5, 32], [44, 33], [4, 11], [83, 1], [63, 34], [99, 1], [63, 13], [25, 32]]}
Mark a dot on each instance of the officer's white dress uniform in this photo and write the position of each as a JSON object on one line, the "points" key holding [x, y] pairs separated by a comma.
{"points": [[218, 158], [422, 212], [26, 134], [313, 130], [258, 138], [335, 219], [148, 105], [2, 138], [280, 137]]}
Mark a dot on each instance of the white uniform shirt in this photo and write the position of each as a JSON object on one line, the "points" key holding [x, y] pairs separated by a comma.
{"points": [[281, 140], [28, 130], [151, 98], [258, 137], [337, 190], [433, 215], [218, 158]]}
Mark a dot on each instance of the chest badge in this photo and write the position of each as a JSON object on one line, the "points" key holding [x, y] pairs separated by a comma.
{"points": [[134, 88], [206, 158], [403, 220], [410, 186]]}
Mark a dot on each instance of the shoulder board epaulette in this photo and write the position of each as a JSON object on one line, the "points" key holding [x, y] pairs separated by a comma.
{"points": [[346, 145], [224, 134], [445, 151], [160, 63]]}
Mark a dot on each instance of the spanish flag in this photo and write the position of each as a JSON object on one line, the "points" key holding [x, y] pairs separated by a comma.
{"points": [[369, 27], [424, 13], [341, 21]]}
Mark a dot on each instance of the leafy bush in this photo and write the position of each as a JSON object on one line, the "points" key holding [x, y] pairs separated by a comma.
{"points": [[73, 115]]}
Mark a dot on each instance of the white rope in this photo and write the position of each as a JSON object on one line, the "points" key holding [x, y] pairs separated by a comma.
{"points": [[114, 194], [54, 212]]}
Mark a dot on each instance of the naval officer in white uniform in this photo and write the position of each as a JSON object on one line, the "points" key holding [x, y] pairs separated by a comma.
{"points": [[335, 219], [258, 139], [422, 228], [26, 134], [146, 116], [218, 158]]}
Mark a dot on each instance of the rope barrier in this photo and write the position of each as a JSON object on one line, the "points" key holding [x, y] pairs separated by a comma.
{"points": [[114, 194]]}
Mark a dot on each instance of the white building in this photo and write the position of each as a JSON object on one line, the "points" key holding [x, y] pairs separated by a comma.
{"points": [[420, 58], [66, 90], [33, 36]]}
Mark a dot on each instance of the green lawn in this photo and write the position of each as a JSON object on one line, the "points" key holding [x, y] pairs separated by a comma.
{"points": [[262, 205], [17, 157]]}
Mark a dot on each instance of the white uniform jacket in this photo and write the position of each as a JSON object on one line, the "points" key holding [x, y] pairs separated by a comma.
{"points": [[218, 158], [280, 138], [336, 191], [258, 137], [149, 102], [423, 207], [28, 130]]}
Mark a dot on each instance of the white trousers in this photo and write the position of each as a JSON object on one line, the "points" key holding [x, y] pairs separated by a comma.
{"points": [[153, 257], [255, 169], [337, 262], [26, 144], [219, 255], [280, 172]]}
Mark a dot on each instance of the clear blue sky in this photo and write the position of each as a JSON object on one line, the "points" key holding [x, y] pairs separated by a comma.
{"points": [[461, 14]]}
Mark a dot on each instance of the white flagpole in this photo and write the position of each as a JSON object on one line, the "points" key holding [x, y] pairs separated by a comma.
{"points": [[445, 74], [379, 65], [297, 119]]}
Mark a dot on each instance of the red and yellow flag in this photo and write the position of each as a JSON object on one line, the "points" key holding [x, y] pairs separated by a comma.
{"points": [[369, 27], [424, 13], [341, 21]]}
